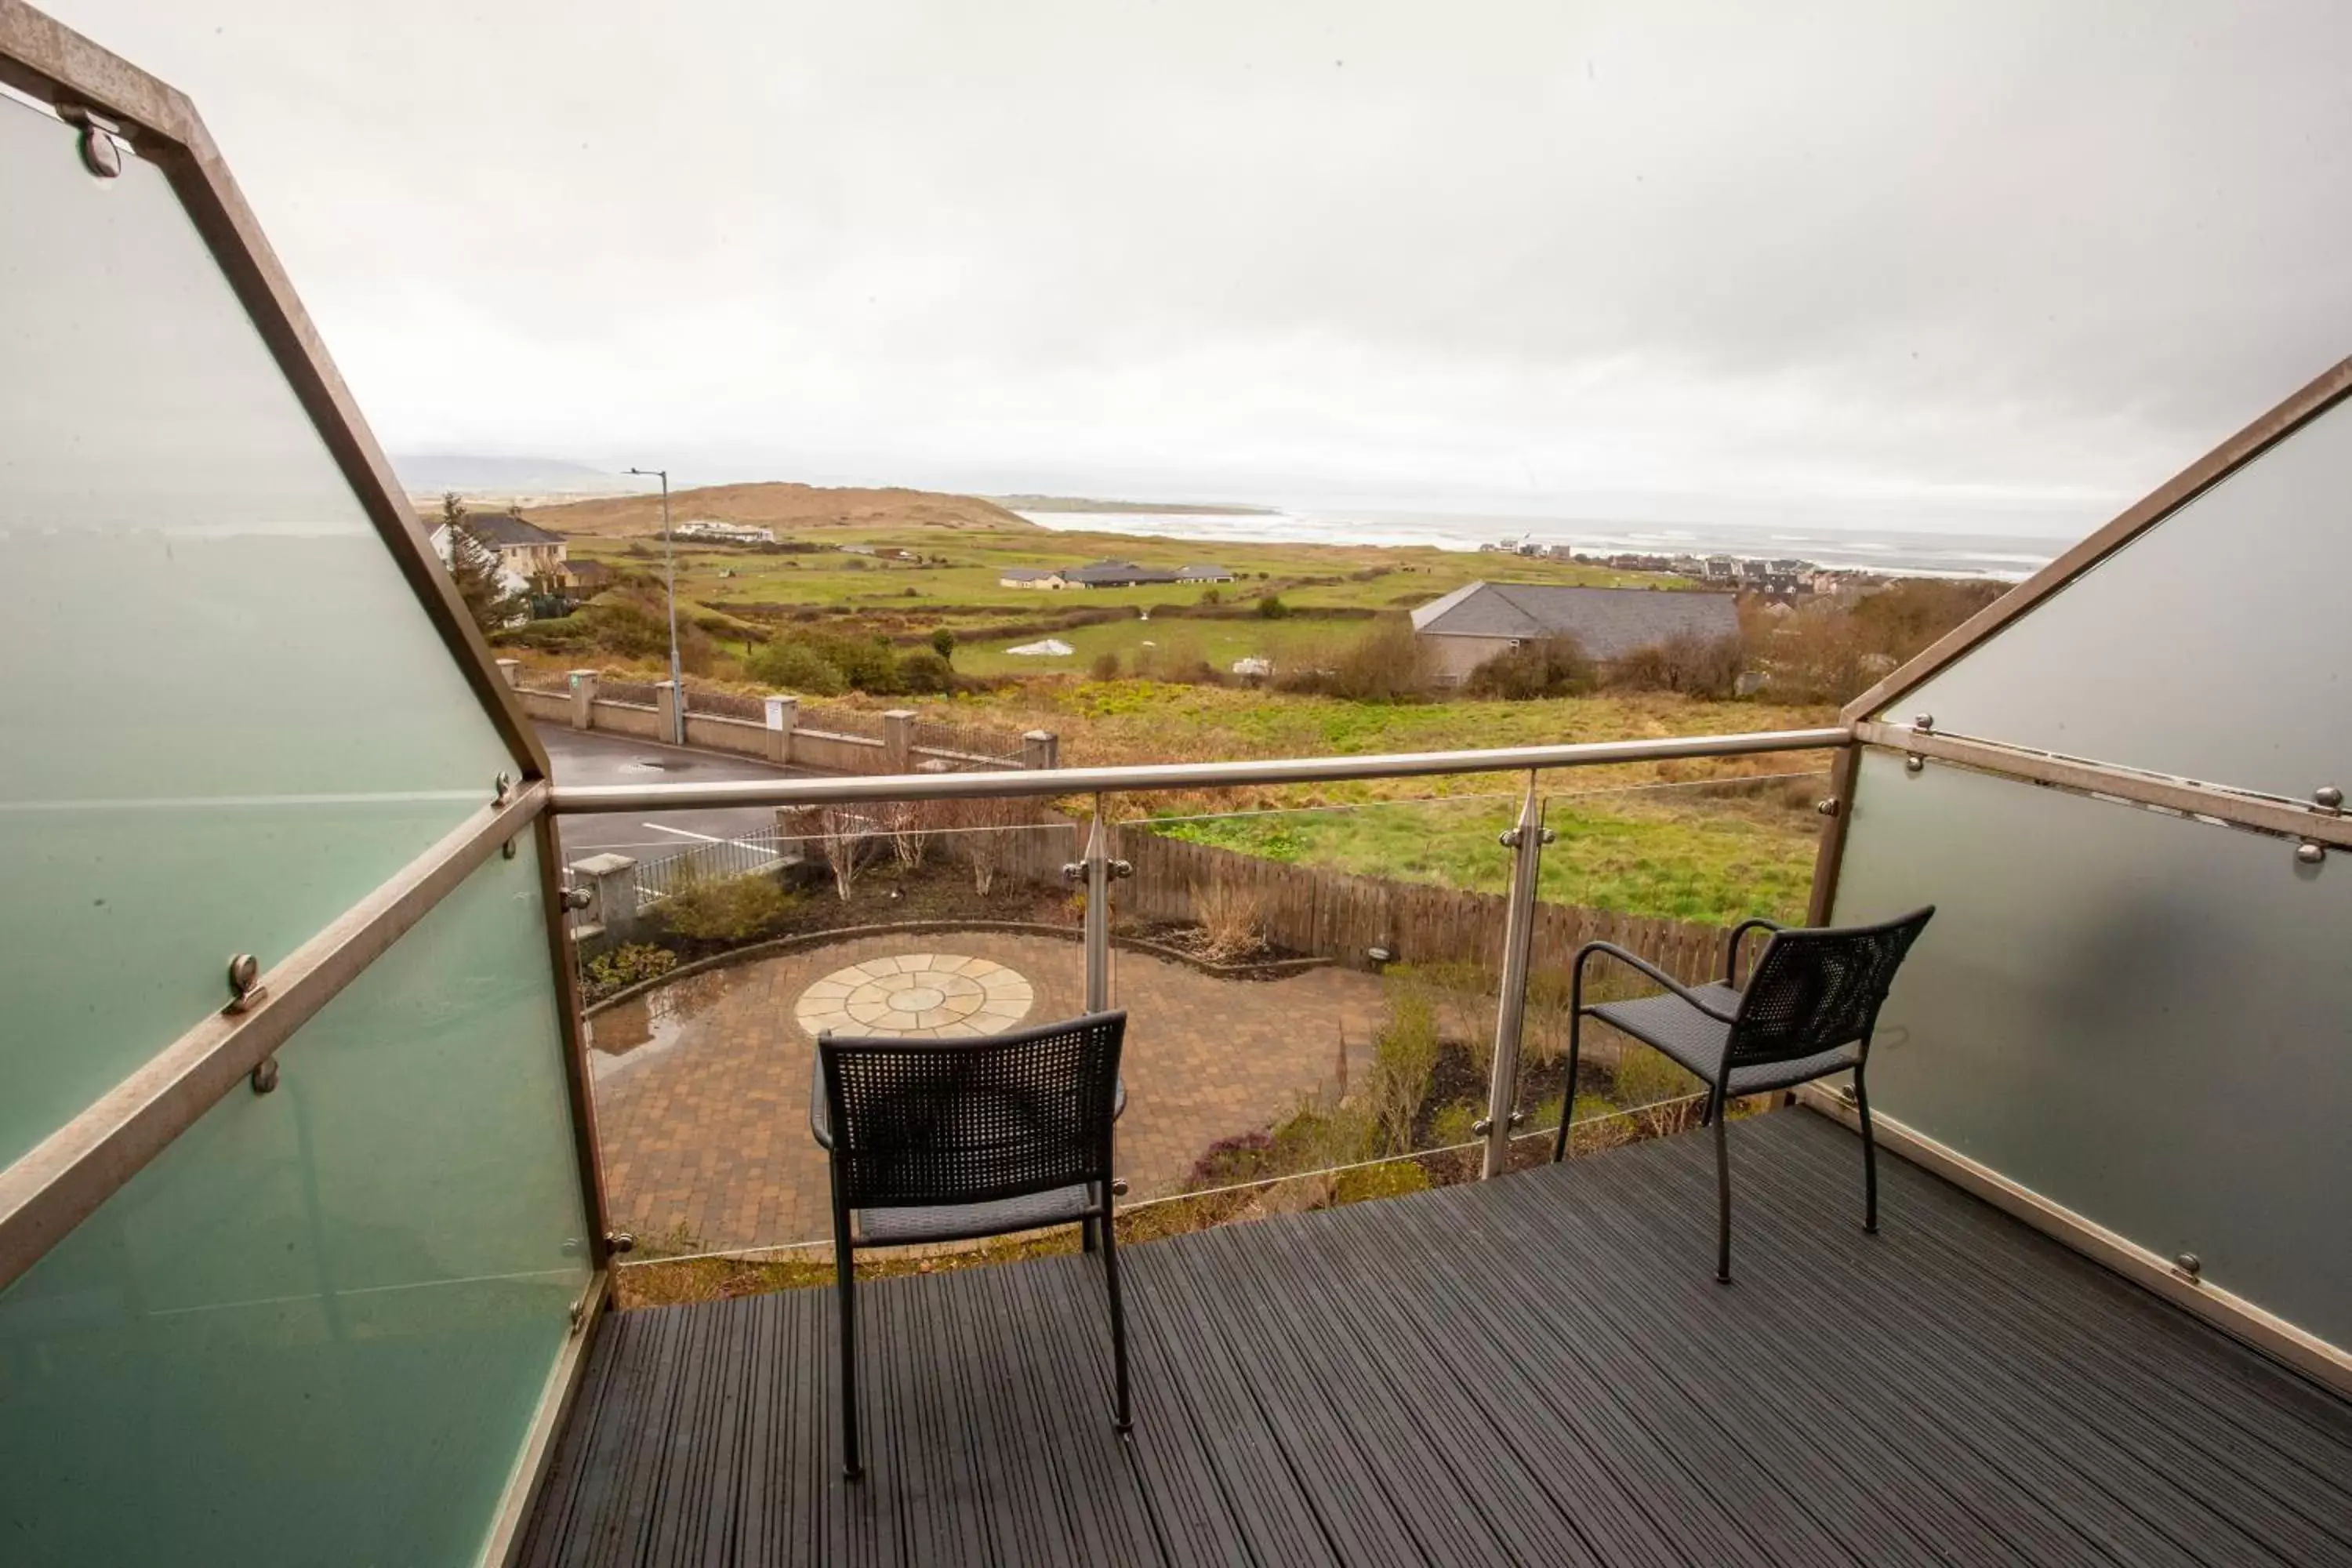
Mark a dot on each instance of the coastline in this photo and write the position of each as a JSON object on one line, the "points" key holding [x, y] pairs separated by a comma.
{"points": [[1893, 551]]}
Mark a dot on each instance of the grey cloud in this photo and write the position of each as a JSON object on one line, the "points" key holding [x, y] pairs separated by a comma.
{"points": [[1851, 262]]}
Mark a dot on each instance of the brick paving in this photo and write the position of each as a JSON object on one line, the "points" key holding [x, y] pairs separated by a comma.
{"points": [[702, 1085]]}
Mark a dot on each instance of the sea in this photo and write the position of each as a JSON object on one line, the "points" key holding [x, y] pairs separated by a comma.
{"points": [[1895, 552]]}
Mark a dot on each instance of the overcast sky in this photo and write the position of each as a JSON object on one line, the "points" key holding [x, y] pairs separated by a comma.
{"points": [[1976, 265]]}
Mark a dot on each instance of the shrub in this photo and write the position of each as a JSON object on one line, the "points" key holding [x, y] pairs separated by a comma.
{"points": [[1405, 1056], [1551, 667], [1180, 660], [1231, 919], [925, 671], [1387, 664], [796, 667], [1686, 663], [1105, 665], [1271, 607], [1212, 596], [1455, 1124], [1393, 1180], [625, 966], [725, 909]]}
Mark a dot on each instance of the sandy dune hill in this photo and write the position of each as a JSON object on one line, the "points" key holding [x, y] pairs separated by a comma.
{"points": [[798, 509]]}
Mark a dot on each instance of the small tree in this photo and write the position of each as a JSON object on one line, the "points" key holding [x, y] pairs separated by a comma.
{"points": [[847, 840], [943, 643], [474, 565], [987, 825], [908, 824]]}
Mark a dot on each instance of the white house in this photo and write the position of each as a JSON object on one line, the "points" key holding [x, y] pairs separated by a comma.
{"points": [[527, 553]]}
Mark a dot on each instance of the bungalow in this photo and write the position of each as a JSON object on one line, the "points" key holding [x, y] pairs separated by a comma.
{"points": [[1032, 577], [1478, 620], [1117, 574], [528, 554], [1204, 574]]}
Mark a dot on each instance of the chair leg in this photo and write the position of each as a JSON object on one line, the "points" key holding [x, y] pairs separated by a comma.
{"points": [[1121, 1419], [1869, 1159], [845, 1266], [1087, 1242], [1567, 1095], [1722, 1191]]}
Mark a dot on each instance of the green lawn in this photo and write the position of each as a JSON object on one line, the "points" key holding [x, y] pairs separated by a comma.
{"points": [[1707, 853], [1218, 642], [966, 589]]}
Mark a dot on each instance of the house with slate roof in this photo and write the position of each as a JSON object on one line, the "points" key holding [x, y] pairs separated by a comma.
{"points": [[1478, 620]]}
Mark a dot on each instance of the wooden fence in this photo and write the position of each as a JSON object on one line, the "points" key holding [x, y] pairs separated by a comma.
{"points": [[1342, 916]]}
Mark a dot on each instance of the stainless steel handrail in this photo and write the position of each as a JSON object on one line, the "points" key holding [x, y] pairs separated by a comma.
{"points": [[575, 799], [59, 1181]]}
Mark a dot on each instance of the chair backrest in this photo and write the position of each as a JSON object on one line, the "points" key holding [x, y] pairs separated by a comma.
{"points": [[1815, 990], [917, 1122]]}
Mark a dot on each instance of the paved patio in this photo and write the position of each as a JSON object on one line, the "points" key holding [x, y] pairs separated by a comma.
{"points": [[702, 1085]]}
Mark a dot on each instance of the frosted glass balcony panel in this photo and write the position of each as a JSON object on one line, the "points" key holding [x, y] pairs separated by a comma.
{"points": [[228, 715], [2146, 1019], [2211, 648], [316, 1329]]}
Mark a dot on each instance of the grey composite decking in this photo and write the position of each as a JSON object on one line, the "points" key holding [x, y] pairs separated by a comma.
{"points": [[1537, 1370]]}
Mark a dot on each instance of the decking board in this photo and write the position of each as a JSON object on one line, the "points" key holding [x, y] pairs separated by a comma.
{"points": [[1539, 1369]]}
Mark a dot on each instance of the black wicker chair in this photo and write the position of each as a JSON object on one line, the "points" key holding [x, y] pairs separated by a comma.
{"points": [[1808, 1011], [948, 1140]]}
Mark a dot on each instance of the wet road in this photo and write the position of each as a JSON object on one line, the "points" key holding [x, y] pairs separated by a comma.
{"points": [[588, 758]]}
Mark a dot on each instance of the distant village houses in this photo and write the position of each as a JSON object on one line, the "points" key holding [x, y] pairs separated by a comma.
{"points": [[1107, 574], [720, 532], [1479, 620]]}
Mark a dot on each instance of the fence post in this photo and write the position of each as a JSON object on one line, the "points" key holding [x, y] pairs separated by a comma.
{"points": [[1041, 749], [583, 699], [1525, 843], [898, 741], [614, 878], [511, 669], [783, 718], [666, 700]]}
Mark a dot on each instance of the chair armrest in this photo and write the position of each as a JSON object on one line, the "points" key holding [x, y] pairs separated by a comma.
{"points": [[1654, 972], [820, 1113], [1731, 947]]}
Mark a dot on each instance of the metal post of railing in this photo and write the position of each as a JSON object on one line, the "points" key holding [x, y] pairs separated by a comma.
{"points": [[1526, 842], [1097, 870]]}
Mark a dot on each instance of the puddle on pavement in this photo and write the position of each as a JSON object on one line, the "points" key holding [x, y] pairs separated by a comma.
{"points": [[646, 1026]]}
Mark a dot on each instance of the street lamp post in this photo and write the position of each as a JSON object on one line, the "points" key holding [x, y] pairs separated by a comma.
{"points": [[669, 570]]}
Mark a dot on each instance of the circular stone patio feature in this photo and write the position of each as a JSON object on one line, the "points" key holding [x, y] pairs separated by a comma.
{"points": [[926, 996]]}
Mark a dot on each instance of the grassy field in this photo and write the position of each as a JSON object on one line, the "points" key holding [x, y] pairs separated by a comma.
{"points": [[1712, 853], [958, 549], [1218, 642], [1704, 852], [1701, 841]]}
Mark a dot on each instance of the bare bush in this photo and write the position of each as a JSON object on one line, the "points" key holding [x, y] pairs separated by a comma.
{"points": [[1179, 660], [1550, 667], [909, 823], [985, 827], [1686, 663], [1232, 920], [847, 839], [1387, 664]]}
